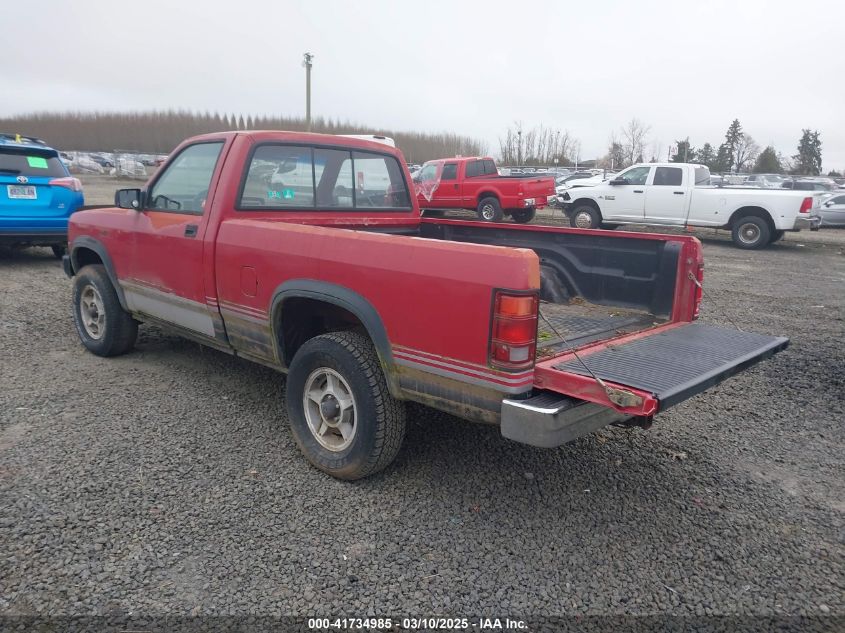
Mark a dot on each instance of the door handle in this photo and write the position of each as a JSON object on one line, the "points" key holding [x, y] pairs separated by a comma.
{"points": [[191, 230], [638, 190], [678, 193]]}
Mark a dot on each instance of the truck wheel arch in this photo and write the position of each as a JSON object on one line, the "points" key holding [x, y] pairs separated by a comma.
{"points": [[340, 297], [86, 250], [755, 211], [584, 201]]}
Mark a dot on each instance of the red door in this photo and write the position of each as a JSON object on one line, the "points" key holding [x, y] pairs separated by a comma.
{"points": [[166, 279]]}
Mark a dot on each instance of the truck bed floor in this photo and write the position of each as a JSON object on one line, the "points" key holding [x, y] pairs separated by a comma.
{"points": [[571, 325]]}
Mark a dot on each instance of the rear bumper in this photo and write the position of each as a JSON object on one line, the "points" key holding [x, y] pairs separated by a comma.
{"points": [[550, 419], [812, 223]]}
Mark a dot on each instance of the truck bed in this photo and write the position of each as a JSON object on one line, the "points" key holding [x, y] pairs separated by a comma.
{"points": [[568, 326]]}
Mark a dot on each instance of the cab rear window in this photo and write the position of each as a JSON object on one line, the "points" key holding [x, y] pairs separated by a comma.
{"points": [[30, 163]]}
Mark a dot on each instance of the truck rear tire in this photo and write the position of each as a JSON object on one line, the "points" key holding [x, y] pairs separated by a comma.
{"points": [[585, 217], [777, 236], [490, 210], [523, 216], [341, 413], [750, 232], [104, 327]]}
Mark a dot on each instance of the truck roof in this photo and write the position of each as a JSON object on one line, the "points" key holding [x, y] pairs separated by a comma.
{"points": [[667, 165], [460, 159], [303, 137]]}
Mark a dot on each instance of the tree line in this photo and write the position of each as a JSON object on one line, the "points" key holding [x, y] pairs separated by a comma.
{"points": [[630, 144], [740, 152], [159, 132]]}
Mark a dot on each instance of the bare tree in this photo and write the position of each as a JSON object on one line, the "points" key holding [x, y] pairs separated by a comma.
{"points": [[615, 157], [747, 151], [634, 135], [535, 146]]}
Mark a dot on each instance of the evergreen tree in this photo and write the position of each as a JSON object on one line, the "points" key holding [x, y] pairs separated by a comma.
{"points": [[706, 155], [686, 153], [808, 160], [768, 162], [727, 151]]}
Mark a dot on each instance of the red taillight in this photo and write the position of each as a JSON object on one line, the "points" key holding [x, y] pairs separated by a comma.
{"points": [[699, 292], [806, 205], [68, 183], [513, 336]]}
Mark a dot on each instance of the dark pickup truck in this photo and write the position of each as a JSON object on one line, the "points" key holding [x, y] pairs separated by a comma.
{"points": [[307, 253]]}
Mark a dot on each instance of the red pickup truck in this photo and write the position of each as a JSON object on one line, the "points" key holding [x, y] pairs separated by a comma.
{"points": [[475, 184], [307, 253]]}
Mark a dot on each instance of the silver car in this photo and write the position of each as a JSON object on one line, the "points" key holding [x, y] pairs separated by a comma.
{"points": [[832, 210]]}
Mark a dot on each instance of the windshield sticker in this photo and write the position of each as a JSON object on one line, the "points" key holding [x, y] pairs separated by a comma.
{"points": [[286, 194], [38, 162]]}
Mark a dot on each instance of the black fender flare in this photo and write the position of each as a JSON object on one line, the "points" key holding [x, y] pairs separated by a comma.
{"points": [[347, 299], [85, 241]]}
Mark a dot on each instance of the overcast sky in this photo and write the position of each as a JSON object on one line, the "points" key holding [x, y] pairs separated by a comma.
{"points": [[685, 68]]}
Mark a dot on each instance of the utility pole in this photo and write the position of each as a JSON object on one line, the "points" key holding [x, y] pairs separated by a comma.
{"points": [[307, 62], [519, 148]]}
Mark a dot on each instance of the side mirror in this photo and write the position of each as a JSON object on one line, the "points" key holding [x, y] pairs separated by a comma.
{"points": [[128, 198], [618, 181]]}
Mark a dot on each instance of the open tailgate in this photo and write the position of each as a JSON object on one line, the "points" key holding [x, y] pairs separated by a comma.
{"points": [[651, 371]]}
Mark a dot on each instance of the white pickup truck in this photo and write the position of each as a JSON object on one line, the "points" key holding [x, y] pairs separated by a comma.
{"points": [[679, 194]]}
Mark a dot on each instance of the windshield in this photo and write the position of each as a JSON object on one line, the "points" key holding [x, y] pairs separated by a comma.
{"points": [[30, 162]]}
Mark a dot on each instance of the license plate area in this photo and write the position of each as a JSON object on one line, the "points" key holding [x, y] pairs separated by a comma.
{"points": [[21, 192]]}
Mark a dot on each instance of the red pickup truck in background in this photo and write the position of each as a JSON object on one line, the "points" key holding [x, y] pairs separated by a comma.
{"points": [[307, 253], [475, 184]]}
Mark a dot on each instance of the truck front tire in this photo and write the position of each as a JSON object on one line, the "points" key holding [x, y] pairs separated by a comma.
{"points": [[104, 327], [341, 413], [523, 216], [751, 232], [490, 210], [585, 217]]}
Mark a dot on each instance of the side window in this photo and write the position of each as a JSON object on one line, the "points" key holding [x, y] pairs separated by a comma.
{"points": [[333, 174], [702, 176], [490, 168], [279, 177], [450, 171], [473, 169], [183, 187], [636, 175], [668, 176], [839, 200], [379, 182]]}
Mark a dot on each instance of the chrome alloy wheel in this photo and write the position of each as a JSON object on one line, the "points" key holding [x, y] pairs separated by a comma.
{"points": [[583, 220], [92, 312], [749, 233], [330, 409]]}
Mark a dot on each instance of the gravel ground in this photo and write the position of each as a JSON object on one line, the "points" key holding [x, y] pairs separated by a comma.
{"points": [[167, 482]]}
